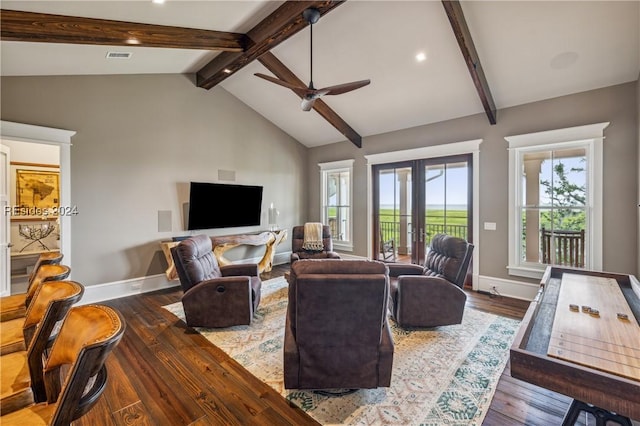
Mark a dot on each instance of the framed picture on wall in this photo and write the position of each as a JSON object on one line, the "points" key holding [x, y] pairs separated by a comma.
{"points": [[37, 192]]}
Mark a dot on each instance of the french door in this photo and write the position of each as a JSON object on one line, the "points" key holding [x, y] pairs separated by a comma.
{"points": [[415, 200]]}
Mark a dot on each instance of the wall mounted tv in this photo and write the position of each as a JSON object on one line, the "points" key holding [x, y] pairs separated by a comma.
{"points": [[216, 205]]}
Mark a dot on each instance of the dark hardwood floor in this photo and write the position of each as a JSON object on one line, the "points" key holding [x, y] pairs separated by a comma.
{"points": [[164, 373]]}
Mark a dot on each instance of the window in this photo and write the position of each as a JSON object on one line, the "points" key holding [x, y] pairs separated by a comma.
{"points": [[555, 194], [336, 201]]}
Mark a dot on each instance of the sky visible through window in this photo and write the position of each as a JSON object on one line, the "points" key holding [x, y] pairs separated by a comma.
{"points": [[456, 188]]}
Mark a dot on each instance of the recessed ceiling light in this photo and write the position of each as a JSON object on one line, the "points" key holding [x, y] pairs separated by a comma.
{"points": [[421, 57], [158, 1]]}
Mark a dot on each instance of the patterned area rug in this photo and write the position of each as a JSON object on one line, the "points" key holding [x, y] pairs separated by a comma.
{"points": [[441, 376]]}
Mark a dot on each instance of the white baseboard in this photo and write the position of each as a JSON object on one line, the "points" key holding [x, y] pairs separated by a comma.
{"points": [[114, 290], [508, 288]]}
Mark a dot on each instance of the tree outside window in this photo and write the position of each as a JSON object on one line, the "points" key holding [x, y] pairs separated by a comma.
{"points": [[554, 198]]}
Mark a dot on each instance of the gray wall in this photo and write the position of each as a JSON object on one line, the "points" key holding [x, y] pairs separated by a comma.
{"points": [[140, 141], [617, 104]]}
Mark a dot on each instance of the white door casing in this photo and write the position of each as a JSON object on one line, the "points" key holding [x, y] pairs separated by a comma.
{"points": [[5, 221]]}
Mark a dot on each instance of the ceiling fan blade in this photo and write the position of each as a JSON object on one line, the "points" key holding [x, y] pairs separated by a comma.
{"points": [[344, 88], [281, 82]]}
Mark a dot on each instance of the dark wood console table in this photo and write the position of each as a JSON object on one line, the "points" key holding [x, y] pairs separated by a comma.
{"points": [[223, 243], [593, 357]]}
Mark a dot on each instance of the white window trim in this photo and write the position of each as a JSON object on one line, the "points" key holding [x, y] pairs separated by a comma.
{"points": [[334, 166], [590, 136]]}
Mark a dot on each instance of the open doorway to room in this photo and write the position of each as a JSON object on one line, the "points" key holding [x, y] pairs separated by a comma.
{"points": [[35, 197], [415, 200], [34, 203]]}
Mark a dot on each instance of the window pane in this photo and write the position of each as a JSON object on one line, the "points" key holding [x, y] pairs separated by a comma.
{"points": [[563, 178], [336, 204], [553, 213], [530, 238], [342, 223]]}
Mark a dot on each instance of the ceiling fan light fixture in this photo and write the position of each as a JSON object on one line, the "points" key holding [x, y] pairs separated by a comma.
{"points": [[310, 94]]}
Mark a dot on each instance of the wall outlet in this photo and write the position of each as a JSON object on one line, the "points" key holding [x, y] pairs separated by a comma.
{"points": [[494, 291]]}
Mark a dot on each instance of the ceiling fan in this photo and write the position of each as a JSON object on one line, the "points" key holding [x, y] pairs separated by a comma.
{"points": [[310, 94]]}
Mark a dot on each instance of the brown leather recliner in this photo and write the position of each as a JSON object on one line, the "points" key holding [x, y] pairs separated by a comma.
{"points": [[336, 332], [432, 295], [214, 296], [298, 252]]}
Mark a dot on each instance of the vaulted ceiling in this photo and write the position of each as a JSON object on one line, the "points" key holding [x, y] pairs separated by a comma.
{"points": [[481, 56]]}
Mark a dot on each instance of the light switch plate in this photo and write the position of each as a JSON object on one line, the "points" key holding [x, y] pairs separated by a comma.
{"points": [[489, 226]]}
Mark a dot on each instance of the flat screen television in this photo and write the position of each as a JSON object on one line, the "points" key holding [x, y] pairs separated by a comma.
{"points": [[216, 205]]}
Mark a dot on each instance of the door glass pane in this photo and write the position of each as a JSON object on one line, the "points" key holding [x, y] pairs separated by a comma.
{"points": [[446, 195], [394, 213]]}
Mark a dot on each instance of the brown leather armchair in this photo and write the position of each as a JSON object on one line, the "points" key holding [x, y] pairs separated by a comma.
{"points": [[431, 295], [297, 241], [336, 331], [214, 296]]}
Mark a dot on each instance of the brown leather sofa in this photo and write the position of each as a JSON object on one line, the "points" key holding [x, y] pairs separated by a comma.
{"points": [[214, 296], [297, 241], [432, 295], [336, 332]]}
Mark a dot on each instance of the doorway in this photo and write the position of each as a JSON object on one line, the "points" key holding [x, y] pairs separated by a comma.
{"points": [[417, 199], [19, 133]]}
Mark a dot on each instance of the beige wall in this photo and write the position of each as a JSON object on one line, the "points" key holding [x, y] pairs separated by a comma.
{"points": [[140, 141], [615, 104], [638, 199]]}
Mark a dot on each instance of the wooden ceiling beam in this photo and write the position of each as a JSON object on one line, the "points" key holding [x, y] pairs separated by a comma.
{"points": [[280, 70], [463, 35], [47, 28], [283, 23]]}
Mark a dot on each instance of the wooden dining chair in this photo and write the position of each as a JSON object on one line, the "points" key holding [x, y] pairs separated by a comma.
{"points": [[74, 373], [15, 306], [46, 258], [21, 371], [53, 298]]}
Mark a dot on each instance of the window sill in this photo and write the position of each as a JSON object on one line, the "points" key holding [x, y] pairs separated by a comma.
{"points": [[526, 271], [342, 247]]}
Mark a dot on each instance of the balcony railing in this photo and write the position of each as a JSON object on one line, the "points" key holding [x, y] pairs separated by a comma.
{"points": [[391, 231], [562, 247]]}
